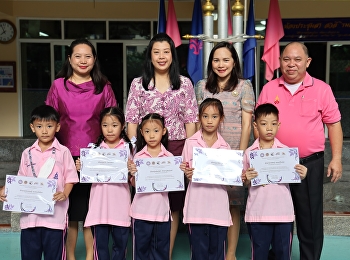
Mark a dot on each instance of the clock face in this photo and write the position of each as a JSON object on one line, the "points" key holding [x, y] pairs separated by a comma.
{"points": [[7, 31]]}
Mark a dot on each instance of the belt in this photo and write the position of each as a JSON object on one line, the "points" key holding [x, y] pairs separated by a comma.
{"points": [[311, 157]]}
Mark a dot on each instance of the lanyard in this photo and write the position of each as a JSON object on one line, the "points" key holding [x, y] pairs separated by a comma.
{"points": [[31, 160]]}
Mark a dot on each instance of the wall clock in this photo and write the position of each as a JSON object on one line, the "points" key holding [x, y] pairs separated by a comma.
{"points": [[7, 31]]}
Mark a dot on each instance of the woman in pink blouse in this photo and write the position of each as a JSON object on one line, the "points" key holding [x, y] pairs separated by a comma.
{"points": [[225, 83], [161, 89], [79, 94]]}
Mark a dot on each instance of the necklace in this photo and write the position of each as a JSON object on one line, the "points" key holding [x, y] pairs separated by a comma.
{"points": [[262, 147]]}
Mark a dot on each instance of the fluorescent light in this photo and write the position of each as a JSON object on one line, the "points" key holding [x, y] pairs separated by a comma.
{"points": [[260, 27], [43, 34]]}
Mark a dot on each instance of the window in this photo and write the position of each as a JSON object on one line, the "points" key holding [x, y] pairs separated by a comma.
{"points": [[40, 29], [92, 30]]}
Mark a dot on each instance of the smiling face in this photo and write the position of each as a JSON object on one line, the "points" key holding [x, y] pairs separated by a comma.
{"points": [[293, 62], [153, 131], [223, 63], [45, 131], [111, 130], [82, 60], [161, 56]]}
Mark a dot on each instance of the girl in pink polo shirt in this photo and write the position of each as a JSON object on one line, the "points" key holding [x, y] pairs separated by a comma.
{"points": [[269, 213], [151, 211], [109, 203], [206, 209]]}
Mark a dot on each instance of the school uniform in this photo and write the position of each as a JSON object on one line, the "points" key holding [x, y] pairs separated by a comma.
{"points": [[269, 215], [206, 209], [151, 220], [46, 233], [108, 214]]}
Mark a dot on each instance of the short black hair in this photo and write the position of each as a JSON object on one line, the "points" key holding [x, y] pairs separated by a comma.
{"points": [[264, 110], [46, 113]]}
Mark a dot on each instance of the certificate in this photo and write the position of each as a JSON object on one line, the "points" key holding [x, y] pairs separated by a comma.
{"points": [[275, 165], [29, 194], [159, 174], [103, 165], [217, 166]]}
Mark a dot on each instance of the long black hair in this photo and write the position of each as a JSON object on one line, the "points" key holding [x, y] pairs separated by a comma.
{"points": [[97, 77], [118, 113], [140, 141], [212, 82], [148, 68]]}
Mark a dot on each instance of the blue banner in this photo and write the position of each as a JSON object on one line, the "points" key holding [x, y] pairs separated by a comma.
{"points": [[195, 51]]}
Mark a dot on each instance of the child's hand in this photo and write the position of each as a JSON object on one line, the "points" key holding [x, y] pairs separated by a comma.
{"points": [[249, 174], [184, 166], [59, 196], [78, 164], [131, 167], [302, 170], [2, 194]]}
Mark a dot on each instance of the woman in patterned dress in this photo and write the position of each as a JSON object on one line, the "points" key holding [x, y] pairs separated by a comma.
{"points": [[161, 89], [225, 83]]}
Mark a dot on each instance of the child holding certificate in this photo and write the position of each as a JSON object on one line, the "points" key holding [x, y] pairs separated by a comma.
{"points": [[109, 203], [151, 211], [269, 213], [46, 158], [206, 209]]}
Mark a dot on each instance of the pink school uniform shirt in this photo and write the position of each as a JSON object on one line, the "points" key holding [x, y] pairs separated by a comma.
{"points": [[79, 110], [109, 202], [302, 115], [151, 206], [64, 171], [268, 203], [205, 203], [178, 107]]}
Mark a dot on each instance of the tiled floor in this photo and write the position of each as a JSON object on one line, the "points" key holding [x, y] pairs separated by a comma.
{"points": [[335, 247]]}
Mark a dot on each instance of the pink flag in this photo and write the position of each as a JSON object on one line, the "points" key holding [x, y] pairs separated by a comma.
{"points": [[172, 28], [274, 32], [229, 20]]}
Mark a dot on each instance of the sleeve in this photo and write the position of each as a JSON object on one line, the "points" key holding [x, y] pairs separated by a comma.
{"points": [[199, 90], [191, 107], [70, 173], [52, 96], [132, 111], [109, 96], [329, 107], [22, 171], [186, 156], [246, 159], [248, 97]]}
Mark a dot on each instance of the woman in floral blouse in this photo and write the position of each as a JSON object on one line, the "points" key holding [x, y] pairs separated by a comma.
{"points": [[161, 89]]}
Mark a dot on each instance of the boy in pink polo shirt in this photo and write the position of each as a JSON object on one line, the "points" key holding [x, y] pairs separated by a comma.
{"points": [[269, 212], [45, 234]]}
